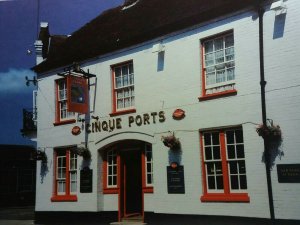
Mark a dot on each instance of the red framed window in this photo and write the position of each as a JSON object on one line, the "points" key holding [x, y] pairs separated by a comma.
{"points": [[110, 172], [223, 166], [111, 167], [218, 66], [123, 88], [65, 175], [62, 114]]}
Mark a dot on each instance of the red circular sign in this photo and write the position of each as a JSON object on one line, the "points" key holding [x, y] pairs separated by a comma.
{"points": [[178, 114], [76, 130]]}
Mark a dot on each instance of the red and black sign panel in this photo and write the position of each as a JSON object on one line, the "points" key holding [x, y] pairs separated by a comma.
{"points": [[77, 94]]}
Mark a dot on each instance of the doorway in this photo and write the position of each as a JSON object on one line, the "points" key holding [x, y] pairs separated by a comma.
{"points": [[131, 196]]}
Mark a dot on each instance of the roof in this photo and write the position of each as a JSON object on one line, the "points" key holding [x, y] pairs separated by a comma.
{"points": [[116, 29]]}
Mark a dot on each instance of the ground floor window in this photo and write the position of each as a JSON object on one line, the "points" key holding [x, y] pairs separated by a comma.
{"points": [[65, 175], [223, 165]]}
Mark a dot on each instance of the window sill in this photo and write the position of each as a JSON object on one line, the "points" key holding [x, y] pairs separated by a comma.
{"points": [[218, 95], [235, 197], [123, 112], [110, 190], [148, 190], [64, 198], [63, 122]]}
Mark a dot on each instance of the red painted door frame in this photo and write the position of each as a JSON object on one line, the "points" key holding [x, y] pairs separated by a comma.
{"points": [[122, 173]]}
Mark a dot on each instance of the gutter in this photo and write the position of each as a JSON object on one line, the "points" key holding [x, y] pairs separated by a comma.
{"points": [[261, 11]]}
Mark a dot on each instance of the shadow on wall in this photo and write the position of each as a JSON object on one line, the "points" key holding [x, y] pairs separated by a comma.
{"points": [[279, 24]]}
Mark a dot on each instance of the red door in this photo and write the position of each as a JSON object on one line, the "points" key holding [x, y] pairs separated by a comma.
{"points": [[131, 184]]}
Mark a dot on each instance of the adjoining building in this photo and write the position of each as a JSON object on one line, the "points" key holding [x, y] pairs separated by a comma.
{"points": [[17, 176], [153, 110]]}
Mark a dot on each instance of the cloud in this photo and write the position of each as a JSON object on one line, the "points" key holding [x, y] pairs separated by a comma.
{"points": [[13, 81]]}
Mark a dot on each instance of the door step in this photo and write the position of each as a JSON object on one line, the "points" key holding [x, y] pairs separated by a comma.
{"points": [[128, 223]]}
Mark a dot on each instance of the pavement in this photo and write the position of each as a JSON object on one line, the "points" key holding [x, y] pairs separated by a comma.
{"points": [[17, 215]]}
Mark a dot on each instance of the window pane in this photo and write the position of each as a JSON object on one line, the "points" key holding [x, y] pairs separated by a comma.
{"points": [[218, 44], [117, 71], [229, 41], [208, 153], [130, 68], [211, 182], [110, 170], [114, 180], [243, 182], [73, 186], [118, 82], [220, 76], [125, 80], [207, 139], [208, 46], [210, 78], [149, 179], [233, 167], [230, 74], [242, 167], [240, 151], [210, 168], [234, 182], [239, 136], [219, 182], [110, 180], [218, 166], [215, 137], [124, 70], [217, 152], [149, 169], [230, 152], [230, 137]]}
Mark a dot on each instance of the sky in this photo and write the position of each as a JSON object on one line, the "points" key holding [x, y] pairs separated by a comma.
{"points": [[19, 22]]}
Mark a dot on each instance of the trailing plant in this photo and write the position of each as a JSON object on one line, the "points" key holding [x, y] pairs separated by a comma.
{"points": [[82, 151], [171, 141], [270, 132], [40, 155]]}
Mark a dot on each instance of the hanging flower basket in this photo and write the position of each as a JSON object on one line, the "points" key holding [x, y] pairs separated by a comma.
{"points": [[82, 151], [271, 132], [40, 155], [171, 141]]}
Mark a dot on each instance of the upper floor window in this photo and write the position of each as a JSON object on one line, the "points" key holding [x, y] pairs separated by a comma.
{"points": [[123, 87], [65, 183], [62, 113], [218, 66], [224, 168]]}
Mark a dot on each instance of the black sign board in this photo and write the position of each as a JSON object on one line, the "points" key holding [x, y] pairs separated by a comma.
{"points": [[86, 180], [288, 173], [175, 178]]}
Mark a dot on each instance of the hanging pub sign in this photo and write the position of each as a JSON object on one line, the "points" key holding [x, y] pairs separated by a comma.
{"points": [[77, 94], [175, 179], [86, 180]]}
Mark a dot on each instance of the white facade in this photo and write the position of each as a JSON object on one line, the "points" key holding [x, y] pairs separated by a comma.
{"points": [[176, 82]]}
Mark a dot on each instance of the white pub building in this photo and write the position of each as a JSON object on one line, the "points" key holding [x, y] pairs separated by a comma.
{"points": [[172, 112]]}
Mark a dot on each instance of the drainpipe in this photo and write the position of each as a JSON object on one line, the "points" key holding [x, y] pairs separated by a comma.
{"points": [[264, 113]]}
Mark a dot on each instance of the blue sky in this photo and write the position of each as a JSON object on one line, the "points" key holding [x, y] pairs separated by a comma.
{"points": [[18, 31]]}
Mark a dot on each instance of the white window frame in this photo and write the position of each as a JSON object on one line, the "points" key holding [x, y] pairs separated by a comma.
{"points": [[62, 98], [225, 64], [148, 163], [113, 164], [124, 86]]}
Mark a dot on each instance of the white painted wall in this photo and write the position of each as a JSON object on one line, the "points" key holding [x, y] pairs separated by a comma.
{"points": [[178, 85]]}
